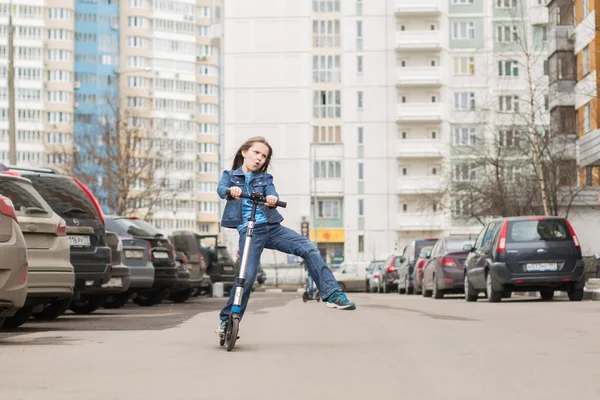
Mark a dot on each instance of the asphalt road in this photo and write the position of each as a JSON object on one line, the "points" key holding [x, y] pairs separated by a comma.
{"points": [[391, 347]]}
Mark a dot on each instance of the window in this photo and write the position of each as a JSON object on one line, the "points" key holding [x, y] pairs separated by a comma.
{"points": [[508, 104], [326, 33], [327, 104], [506, 3], [463, 30], [587, 118], [360, 99], [359, 65], [585, 60], [361, 171], [60, 13], [59, 34], [59, 97], [464, 101], [462, 2], [328, 169], [361, 243], [326, 69], [359, 29], [327, 134], [506, 33], [464, 136], [361, 137], [465, 172], [361, 207], [137, 22], [329, 209], [404, 135], [404, 207], [508, 68], [59, 55], [138, 41], [140, 3], [433, 134], [404, 171], [460, 208], [509, 138], [326, 5]]}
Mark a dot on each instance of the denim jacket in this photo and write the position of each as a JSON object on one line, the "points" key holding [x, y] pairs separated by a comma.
{"points": [[260, 182]]}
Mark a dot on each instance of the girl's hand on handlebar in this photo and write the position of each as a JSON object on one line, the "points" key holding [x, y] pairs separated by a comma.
{"points": [[271, 201], [235, 192]]}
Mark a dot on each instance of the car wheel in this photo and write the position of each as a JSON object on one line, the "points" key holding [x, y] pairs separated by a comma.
{"points": [[547, 294], [53, 310], [575, 294], [86, 306], [493, 296], [409, 289], [437, 292], [470, 293], [116, 301], [149, 299], [180, 297], [424, 291], [2, 319], [22, 315]]}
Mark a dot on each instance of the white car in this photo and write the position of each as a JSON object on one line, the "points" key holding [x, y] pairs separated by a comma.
{"points": [[352, 276]]}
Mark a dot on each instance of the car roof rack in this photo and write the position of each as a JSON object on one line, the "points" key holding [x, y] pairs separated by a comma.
{"points": [[47, 170]]}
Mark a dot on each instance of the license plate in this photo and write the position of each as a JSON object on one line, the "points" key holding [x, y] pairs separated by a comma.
{"points": [[114, 283], [134, 254], [160, 255], [227, 268], [541, 267], [79, 241]]}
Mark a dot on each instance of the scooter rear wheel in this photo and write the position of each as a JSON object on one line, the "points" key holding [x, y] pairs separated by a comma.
{"points": [[305, 297], [231, 333]]}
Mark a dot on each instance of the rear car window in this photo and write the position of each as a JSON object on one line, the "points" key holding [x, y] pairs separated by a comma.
{"points": [[23, 196], [419, 244], [456, 245], [222, 253], [129, 228], [538, 230], [116, 227], [64, 196], [145, 226], [186, 243]]}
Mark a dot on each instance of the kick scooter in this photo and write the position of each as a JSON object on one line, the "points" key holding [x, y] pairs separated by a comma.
{"points": [[230, 335]]}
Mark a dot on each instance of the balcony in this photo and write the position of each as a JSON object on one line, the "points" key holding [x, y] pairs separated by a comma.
{"points": [[538, 15], [420, 112], [418, 41], [420, 148], [419, 77], [561, 38], [420, 185], [561, 93], [420, 221], [588, 149], [421, 8]]}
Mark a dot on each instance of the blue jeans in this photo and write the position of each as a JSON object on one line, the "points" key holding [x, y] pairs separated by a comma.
{"points": [[277, 237]]}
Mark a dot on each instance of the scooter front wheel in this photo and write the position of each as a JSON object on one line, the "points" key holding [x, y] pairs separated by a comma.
{"points": [[231, 333]]}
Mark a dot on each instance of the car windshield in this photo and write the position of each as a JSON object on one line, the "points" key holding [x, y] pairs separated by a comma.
{"points": [[146, 227], [538, 230], [130, 227], [65, 197]]}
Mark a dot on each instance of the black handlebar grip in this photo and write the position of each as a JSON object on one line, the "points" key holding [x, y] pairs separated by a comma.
{"points": [[279, 203]]}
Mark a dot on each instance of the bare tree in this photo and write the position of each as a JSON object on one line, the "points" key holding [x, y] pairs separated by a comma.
{"points": [[117, 157]]}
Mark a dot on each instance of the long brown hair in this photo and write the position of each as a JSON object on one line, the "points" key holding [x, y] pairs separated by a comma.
{"points": [[238, 160]]}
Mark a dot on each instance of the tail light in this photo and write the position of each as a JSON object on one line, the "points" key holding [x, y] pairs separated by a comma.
{"points": [[421, 264], [92, 199], [172, 251], [376, 276], [7, 208], [12, 173], [23, 278], [502, 239], [184, 260], [447, 262], [61, 228], [391, 267], [573, 235]]}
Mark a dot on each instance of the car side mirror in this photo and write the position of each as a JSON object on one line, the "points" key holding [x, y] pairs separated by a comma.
{"points": [[468, 247], [402, 259]]}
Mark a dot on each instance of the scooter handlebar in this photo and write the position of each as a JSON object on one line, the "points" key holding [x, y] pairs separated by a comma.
{"points": [[258, 198]]}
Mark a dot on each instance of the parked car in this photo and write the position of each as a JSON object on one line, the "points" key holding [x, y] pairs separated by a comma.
{"points": [[13, 286], [406, 283], [50, 273], [182, 289], [370, 271], [373, 284], [351, 276], [162, 256], [444, 270], [185, 241], [136, 255], [525, 254], [120, 277], [388, 277], [90, 256], [418, 269], [220, 266]]}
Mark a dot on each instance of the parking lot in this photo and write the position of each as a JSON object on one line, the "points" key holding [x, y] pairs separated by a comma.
{"points": [[391, 347]]}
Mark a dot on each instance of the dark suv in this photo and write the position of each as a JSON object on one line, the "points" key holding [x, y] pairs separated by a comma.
{"points": [[219, 263], [406, 275], [90, 255], [522, 254]]}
